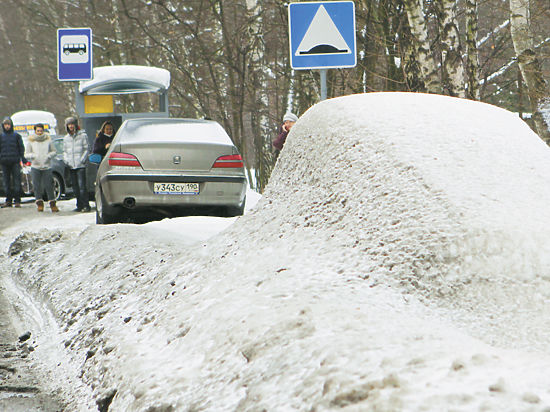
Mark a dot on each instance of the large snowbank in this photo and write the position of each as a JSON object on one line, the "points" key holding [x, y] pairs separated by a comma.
{"points": [[398, 260]]}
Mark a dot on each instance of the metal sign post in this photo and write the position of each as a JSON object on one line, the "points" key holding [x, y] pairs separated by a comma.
{"points": [[322, 36], [323, 73]]}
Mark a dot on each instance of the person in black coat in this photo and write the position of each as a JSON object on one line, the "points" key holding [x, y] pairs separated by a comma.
{"points": [[12, 153], [103, 139]]}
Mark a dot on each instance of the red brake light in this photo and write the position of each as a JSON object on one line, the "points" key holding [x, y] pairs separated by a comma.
{"points": [[229, 161], [123, 159]]}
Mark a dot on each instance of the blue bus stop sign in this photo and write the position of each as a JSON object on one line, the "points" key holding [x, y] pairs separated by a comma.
{"points": [[322, 34], [74, 54]]}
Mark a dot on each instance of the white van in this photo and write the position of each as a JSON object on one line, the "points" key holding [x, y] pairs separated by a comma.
{"points": [[23, 123]]}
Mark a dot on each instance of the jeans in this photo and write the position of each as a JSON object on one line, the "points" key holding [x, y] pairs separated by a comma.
{"points": [[80, 188], [12, 173], [42, 181]]}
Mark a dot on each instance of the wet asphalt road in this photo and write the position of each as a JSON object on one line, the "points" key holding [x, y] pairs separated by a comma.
{"points": [[20, 389]]}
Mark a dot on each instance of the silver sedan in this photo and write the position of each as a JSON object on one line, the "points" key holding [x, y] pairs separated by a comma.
{"points": [[169, 167]]}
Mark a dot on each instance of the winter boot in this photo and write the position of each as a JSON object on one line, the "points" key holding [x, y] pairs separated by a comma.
{"points": [[6, 204], [40, 205], [53, 206]]}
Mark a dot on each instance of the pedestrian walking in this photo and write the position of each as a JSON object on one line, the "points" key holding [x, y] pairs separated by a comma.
{"points": [[103, 139], [12, 153], [75, 156], [288, 121], [40, 151]]}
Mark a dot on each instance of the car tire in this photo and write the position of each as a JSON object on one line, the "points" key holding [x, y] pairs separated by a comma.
{"points": [[104, 214], [232, 211], [58, 187], [26, 184]]}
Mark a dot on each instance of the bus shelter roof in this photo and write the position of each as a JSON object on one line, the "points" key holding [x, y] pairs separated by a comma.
{"points": [[126, 80]]}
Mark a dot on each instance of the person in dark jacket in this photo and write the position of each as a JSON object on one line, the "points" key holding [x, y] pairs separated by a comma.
{"points": [[288, 121], [12, 153], [103, 138]]}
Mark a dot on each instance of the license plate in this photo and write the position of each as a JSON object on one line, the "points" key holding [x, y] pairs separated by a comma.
{"points": [[176, 188]]}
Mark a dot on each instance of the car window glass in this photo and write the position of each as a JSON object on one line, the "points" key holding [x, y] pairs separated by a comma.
{"points": [[210, 132], [58, 144]]}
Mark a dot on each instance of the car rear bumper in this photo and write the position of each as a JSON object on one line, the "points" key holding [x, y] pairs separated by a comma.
{"points": [[213, 190]]}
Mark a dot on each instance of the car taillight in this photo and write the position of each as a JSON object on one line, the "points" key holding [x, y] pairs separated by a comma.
{"points": [[229, 161], [123, 159]]}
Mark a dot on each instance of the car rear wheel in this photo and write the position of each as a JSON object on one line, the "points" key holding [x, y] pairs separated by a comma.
{"points": [[104, 214], [58, 188], [232, 211]]}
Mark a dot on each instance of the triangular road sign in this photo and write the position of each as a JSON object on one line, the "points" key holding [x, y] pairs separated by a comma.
{"points": [[322, 36]]}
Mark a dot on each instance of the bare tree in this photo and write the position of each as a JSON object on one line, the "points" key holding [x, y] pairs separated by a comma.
{"points": [[229, 59], [423, 54], [472, 55], [537, 87], [452, 67]]}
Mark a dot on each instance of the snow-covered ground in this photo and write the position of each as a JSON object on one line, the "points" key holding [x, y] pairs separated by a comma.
{"points": [[399, 260]]}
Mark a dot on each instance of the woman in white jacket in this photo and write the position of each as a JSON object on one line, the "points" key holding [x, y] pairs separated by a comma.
{"points": [[75, 155], [40, 151]]}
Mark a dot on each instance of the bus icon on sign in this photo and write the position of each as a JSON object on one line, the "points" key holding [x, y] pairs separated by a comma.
{"points": [[74, 49], [79, 48]]}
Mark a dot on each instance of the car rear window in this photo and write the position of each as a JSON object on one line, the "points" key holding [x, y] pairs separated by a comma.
{"points": [[209, 132]]}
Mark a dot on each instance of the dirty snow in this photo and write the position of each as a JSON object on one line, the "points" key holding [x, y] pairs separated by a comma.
{"points": [[399, 260]]}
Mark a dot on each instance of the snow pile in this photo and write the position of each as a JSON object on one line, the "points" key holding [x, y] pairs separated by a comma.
{"points": [[545, 111], [425, 185], [397, 261], [138, 78]]}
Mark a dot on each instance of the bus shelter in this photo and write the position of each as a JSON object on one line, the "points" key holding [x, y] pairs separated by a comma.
{"points": [[118, 93]]}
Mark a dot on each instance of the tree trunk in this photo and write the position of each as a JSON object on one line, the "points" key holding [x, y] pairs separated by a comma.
{"points": [[122, 58], [537, 88], [451, 53], [424, 57], [257, 84], [472, 55], [367, 33], [412, 72]]}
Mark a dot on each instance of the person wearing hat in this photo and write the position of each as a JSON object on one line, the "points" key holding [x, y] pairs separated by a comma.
{"points": [[288, 121], [75, 156], [12, 153]]}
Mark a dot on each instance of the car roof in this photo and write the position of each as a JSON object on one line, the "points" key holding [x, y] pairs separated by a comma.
{"points": [[33, 117], [167, 120], [174, 129]]}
